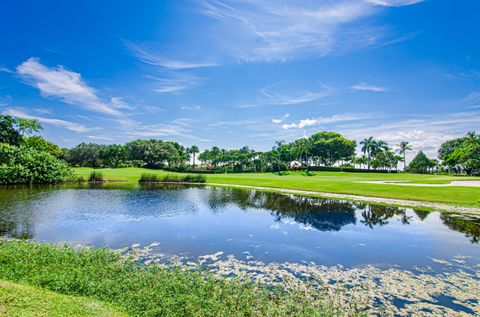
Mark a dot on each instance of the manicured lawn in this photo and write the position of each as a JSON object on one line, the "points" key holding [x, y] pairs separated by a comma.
{"points": [[335, 182], [22, 300]]}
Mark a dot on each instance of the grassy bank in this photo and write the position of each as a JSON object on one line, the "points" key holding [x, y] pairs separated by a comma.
{"points": [[101, 275], [335, 182], [21, 300]]}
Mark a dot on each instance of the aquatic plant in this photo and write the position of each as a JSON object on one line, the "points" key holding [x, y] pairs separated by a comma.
{"points": [[171, 178], [95, 177]]}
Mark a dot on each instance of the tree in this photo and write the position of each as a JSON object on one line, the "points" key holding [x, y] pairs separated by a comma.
{"points": [[152, 153], [113, 155], [404, 146], [85, 155], [420, 164], [330, 147], [462, 155], [12, 129], [40, 144], [193, 150], [367, 145]]}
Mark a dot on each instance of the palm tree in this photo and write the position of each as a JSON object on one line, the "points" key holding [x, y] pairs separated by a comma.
{"points": [[367, 145], [193, 150], [473, 138], [404, 146]]}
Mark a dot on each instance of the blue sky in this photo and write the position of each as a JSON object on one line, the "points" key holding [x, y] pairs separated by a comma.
{"points": [[234, 73]]}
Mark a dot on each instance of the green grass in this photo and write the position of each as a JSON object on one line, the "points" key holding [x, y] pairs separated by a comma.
{"points": [[171, 178], [18, 300], [334, 182], [101, 275]]}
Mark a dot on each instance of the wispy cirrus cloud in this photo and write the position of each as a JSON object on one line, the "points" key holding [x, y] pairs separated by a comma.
{"points": [[174, 84], [368, 87], [273, 96], [310, 122], [148, 57], [66, 85], [394, 3], [280, 30], [6, 70], [472, 100], [173, 129], [69, 125]]}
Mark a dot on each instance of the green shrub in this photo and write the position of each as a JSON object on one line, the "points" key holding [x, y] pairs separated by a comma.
{"points": [[27, 165], [171, 178], [139, 291], [149, 178], [95, 177]]}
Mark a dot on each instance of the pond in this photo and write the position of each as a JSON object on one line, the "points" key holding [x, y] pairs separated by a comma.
{"points": [[249, 224]]}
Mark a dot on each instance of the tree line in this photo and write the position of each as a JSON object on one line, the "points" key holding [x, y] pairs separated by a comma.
{"points": [[322, 149], [23, 155]]}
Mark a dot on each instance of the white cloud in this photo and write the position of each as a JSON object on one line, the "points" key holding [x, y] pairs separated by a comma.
{"points": [[157, 60], [424, 132], [472, 100], [6, 70], [72, 126], [191, 108], [66, 85], [325, 120], [176, 84], [100, 138], [394, 3], [276, 121], [279, 30], [270, 96], [119, 103], [367, 87]]}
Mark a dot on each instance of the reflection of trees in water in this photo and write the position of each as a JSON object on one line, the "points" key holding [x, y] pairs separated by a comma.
{"points": [[321, 214], [378, 215], [17, 212], [15, 216], [421, 214], [470, 227]]}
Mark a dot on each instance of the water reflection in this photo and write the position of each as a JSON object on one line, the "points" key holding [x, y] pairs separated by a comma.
{"points": [[21, 206]]}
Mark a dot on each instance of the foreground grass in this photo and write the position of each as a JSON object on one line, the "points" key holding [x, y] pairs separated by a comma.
{"points": [[100, 275], [334, 182], [22, 300]]}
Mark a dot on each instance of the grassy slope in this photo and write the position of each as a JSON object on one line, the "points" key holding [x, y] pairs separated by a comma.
{"points": [[335, 182], [21, 300], [100, 274]]}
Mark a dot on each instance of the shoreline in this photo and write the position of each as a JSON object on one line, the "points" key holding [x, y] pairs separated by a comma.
{"points": [[368, 199]]}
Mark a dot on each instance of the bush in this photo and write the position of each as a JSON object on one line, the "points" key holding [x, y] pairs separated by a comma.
{"points": [[95, 177], [171, 178], [28, 166]]}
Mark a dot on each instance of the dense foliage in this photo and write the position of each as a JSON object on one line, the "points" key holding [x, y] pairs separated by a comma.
{"points": [[462, 155], [12, 129], [139, 153], [421, 164], [140, 291], [24, 165], [26, 159]]}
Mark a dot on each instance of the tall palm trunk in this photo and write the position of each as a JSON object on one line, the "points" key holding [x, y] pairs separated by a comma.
{"points": [[404, 162], [368, 161]]}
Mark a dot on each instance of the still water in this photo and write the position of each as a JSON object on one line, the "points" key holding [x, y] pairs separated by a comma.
{"points": [[249, 224]]}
